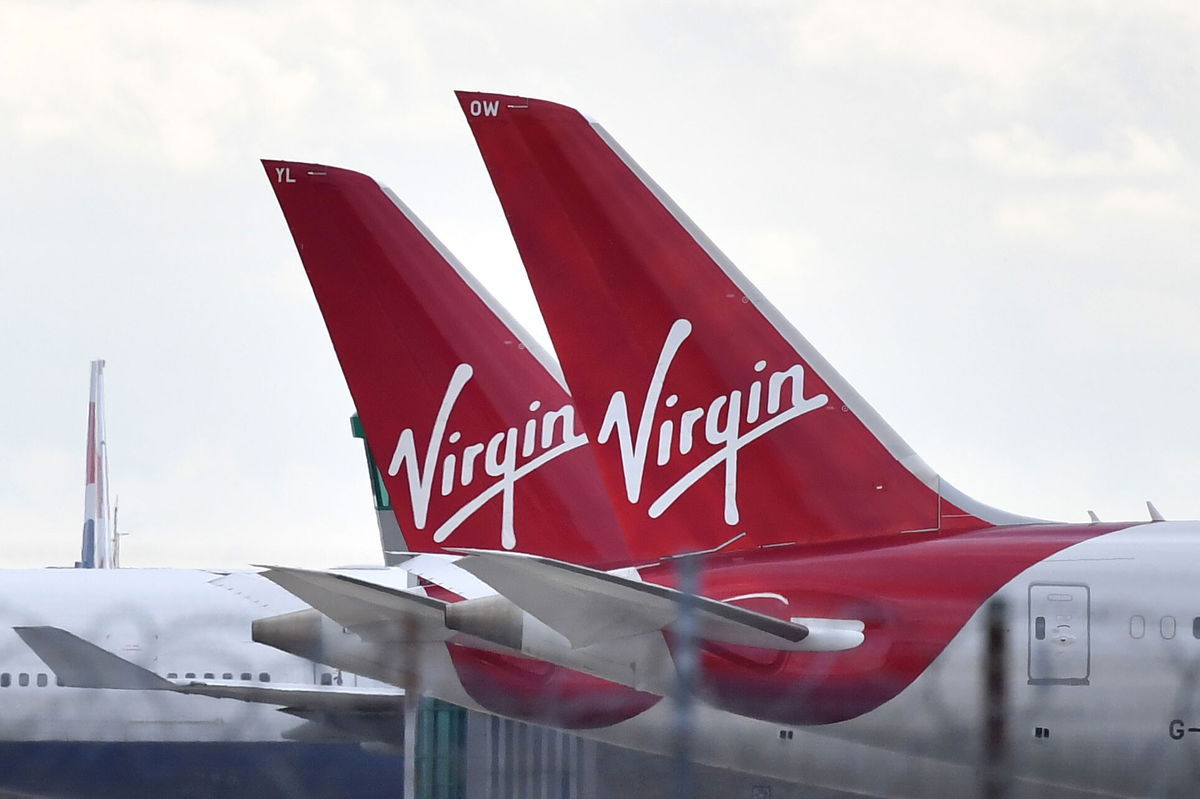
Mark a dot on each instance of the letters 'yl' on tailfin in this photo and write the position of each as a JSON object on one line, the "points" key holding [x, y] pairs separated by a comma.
{"points": [[476, 438], [712, 416]]}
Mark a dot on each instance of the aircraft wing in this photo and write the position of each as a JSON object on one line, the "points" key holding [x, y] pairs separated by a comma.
{"points": [[81, 664], [605, 624], [588, 606], [374, 612]]}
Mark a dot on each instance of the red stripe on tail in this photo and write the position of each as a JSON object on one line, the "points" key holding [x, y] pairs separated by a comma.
{"points": [[477, 440], [711, 415]]}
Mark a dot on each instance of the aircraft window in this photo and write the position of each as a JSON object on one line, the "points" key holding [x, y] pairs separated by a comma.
{"points": [[327, 678], [1039, 628], [1196, 627], [208, 675], [1137, 626], [191, 675], [41, 681], [1167, 627], [172, 675], [227, 675], [22, 679], [5, 680], [264, 677], [58, 681], [247, 676]]}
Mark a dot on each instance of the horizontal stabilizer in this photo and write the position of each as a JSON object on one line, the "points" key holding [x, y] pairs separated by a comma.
{"points": [[484, 620], [374, 612], [80, 664], [588, 606]]}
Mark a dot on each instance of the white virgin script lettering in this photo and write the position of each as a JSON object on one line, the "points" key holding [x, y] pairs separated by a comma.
{"points": [[541, 439], [720, 423]]}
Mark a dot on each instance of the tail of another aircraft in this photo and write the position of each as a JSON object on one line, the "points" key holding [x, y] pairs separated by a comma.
{"points": [[476, 438], [713, 418], [97, 550]]}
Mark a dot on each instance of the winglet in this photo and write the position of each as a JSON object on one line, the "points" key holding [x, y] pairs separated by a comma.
{"points": [[80, 664]]}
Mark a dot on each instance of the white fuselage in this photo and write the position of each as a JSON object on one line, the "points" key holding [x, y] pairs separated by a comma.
{"points": [[1101, 703], [1101, 695], [1101, 654], [177, 623]]}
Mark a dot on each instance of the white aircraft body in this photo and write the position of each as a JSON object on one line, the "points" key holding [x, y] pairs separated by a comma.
{"points": [[1104, 704], [191, 629]]}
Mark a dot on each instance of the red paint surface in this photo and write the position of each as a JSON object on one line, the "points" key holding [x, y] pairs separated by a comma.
{"points": [[539, 692], [401, 323], [402, 319], [613, 270], [914, 592]]}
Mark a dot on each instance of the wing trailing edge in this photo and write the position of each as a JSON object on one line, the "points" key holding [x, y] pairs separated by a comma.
{"points": [[588, 606], [78, 663]]}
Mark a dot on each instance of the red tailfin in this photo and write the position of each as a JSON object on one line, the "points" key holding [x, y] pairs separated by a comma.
{"points": [[711, 415], [476, 438]]}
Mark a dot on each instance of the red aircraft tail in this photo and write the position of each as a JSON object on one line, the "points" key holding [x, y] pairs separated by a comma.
{"points": [[712, 417], [476, 438]]}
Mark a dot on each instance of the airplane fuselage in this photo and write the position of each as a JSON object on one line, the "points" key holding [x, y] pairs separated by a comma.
{"points": [[1100, 647], [180, 624]]}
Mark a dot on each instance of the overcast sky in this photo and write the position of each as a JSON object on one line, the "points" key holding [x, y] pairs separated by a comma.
{"points": [[985, 215]]}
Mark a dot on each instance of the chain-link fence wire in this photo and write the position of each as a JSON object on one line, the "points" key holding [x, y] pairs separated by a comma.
{"points": [[974, 711]]}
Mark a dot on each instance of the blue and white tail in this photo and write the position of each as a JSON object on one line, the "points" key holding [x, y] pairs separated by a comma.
{"points": [[97, 552]]}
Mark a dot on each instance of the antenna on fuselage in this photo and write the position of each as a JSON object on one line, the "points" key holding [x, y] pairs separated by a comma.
{"points": [[1092, 515], [1155, 516]]}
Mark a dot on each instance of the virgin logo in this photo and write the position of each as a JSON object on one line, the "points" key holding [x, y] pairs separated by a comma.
{"points": [[728, 422], [539, 441]]}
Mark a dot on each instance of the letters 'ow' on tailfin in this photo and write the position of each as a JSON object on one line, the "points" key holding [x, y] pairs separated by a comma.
{"points": [[477, 439], [711, 415]]}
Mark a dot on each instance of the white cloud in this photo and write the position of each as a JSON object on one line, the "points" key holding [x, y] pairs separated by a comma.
{"points": [[1160, 205], [1089, 215], [966, 40], [886, 206], [1131, 152], [177, 81], [33, 482]]}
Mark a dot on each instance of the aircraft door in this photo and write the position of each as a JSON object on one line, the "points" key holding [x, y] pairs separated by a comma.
{"points": [[1059, 647]]}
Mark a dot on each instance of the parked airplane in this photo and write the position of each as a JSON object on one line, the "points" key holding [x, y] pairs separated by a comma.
{"points": [[712, 418], [66, 732], [182, 734]]}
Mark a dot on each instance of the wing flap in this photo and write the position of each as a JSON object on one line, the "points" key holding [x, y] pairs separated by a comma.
{"points": [[588, 606], [328, 699]]}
